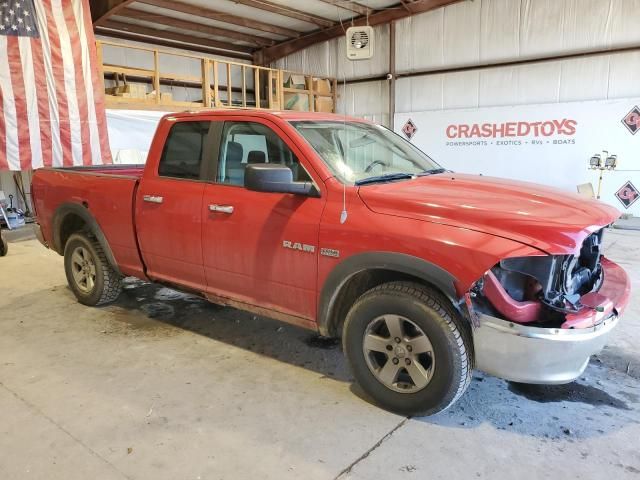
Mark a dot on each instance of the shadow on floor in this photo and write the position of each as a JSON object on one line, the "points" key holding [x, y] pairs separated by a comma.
{"points": [[585, 408], [261, 335]]}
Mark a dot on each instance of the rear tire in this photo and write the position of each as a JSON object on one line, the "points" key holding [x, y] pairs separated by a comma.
{"points": [[89, 274], [4, 247], [408, 348]]}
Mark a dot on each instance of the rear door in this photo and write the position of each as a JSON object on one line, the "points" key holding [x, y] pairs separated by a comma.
{"points": [[169, 203], [261, 248]]}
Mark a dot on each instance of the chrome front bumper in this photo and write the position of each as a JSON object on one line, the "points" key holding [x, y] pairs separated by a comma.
{"points": [[537, 355]]}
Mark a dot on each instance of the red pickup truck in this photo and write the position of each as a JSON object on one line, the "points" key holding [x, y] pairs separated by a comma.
{"points": [[341, 226]]}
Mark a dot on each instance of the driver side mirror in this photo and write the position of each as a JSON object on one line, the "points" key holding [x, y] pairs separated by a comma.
{"points": [[275, 178]]}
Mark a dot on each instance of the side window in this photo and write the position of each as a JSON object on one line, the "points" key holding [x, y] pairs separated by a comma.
{"points": [[182, 154], [244, 143]]}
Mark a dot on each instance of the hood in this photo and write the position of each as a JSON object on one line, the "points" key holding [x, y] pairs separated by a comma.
{"points": [[546, 218]]}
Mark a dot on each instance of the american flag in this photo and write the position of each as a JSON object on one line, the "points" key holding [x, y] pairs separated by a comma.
{"points": [[51, 97]]}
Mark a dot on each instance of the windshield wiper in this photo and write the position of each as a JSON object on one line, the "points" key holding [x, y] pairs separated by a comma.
{"points": [[389, 177], [433, 171]]}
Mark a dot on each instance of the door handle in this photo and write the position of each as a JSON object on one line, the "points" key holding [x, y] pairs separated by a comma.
{"points": [[228, 209], [153, 198]]}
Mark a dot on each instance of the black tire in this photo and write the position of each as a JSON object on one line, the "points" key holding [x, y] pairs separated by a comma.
{"points": [[415, 306], [106, 286], [4, 246]]}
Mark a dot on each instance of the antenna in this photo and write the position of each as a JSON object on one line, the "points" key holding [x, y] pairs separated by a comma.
{"points": [[344, 215]]}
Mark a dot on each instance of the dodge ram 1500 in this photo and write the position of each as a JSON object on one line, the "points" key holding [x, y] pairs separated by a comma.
{"points": [[341, 226]]}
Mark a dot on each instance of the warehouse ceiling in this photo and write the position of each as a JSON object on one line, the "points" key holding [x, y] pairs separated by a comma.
{"points": [[261, 30]]}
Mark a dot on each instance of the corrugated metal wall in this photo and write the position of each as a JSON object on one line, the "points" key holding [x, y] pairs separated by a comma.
{"points": [[481, 32], [330, 58], [369, 100], [492, 31]]}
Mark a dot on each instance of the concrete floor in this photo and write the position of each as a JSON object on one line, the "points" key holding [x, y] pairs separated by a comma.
{"points": [[164, 386]]}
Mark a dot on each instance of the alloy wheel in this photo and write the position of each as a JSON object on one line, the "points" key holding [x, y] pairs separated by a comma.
{"points": [[83, 269], [398, 353]]}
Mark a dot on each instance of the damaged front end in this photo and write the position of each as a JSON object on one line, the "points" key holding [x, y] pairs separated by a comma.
{"points": [[540, 318], [545, 290]]}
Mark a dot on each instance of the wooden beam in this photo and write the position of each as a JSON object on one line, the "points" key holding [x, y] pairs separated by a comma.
{"points": [[156, 74], [349, 5], [405, 5], [101, 10], [165, 41], [421, 6], [270, 54], [194, 27], [195, 84], [222, 17], [216, 84], [286, 11], [141, 72], [229, 91], [206, 82], [178, 37]]}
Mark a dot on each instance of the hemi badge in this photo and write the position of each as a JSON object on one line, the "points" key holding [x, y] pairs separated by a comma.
{"points": [[330, 252]]}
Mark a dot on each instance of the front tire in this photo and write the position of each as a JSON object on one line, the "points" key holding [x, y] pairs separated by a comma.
{"points": [[4, 247], [89, 274], [407, 348]]}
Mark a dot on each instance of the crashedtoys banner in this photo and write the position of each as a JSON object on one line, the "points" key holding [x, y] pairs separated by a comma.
{"points": [[546, 143]]}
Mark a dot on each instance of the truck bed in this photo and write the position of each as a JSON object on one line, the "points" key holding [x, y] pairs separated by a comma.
{"points": [[107, 193]]}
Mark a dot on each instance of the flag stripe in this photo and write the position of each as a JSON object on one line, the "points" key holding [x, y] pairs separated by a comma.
{"points": [[98, 87], [12, 148], [46, 137], [4, 165], [43, 94], [17, 82], [54, 108], [79, 86], [31, 100], [94, 135], [57, 73], [69, 81]]}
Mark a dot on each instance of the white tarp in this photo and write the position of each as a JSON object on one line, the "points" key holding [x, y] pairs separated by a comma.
{"points": [[545, 143], [130, 134]]}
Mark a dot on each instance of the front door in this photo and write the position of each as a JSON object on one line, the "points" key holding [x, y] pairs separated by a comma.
{"points": [[168, 207], [261, 248]]}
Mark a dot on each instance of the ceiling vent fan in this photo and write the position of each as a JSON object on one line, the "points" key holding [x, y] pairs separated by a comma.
{"points": [[359, 43]]}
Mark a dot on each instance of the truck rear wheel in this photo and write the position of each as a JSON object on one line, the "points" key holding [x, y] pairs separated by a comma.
{"points": [[407, 348], [90, 276]]}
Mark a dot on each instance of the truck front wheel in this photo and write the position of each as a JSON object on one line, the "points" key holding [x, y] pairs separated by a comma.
{"points": [[90, 276], [407, 348]]}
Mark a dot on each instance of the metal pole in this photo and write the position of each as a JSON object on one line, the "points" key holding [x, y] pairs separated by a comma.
{"points": [[392, 73], [600, 182]]}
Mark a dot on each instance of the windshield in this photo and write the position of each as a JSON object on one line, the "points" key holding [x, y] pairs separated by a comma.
{"points": [[357, 151]]}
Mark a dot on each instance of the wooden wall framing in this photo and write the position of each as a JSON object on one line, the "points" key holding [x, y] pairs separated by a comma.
{"points": [[259, 87]]}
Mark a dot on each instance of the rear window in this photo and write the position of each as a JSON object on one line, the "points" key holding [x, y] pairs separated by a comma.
{"points": [[182, 154]]}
